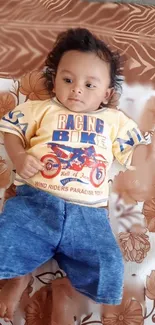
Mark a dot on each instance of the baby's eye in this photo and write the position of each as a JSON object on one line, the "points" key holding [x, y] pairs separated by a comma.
{"points": [[89, 85], [68, 80]]}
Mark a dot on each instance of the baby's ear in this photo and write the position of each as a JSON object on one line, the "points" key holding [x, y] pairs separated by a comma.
{"points": [[107, 95], [114, 99], [53, 91], [53, 82]]}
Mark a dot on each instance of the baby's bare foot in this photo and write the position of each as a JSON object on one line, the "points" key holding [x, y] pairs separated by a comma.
{"points": [[10, 296]]}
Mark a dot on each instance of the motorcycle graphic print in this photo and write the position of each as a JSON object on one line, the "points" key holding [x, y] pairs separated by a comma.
{"points": [[65, 157]]}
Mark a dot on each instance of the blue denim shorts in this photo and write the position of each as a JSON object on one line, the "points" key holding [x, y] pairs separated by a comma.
{"points": [[36, 226]]}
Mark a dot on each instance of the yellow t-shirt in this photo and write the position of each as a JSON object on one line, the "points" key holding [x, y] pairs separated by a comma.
{"points": [[76, 148]]}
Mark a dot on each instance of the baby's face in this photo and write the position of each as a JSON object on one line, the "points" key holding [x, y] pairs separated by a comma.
{"points": [[82, 81]]}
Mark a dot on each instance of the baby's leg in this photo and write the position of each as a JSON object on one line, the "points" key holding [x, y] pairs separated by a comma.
{"points": [[11, 294], [64, 306], [28, 239]]}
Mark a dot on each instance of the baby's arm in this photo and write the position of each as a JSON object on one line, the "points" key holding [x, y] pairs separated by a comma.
{"points": [[137, 184], [26, 165]]}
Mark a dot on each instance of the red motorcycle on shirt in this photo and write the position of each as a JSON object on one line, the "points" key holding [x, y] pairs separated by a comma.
{"points": [[65, 157]]}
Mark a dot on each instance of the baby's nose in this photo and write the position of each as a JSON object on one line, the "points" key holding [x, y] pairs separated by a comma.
{"points": [[77, 90]]}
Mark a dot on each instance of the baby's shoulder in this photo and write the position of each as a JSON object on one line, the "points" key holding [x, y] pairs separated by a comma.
{"points": [[112, 116], [41, 103], [42, 106]]}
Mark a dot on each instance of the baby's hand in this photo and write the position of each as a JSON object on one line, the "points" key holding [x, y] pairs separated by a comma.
{"points": [[27, 165], [147, 120]]}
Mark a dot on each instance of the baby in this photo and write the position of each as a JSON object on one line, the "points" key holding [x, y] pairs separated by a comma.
{"points": [[62, 149]]}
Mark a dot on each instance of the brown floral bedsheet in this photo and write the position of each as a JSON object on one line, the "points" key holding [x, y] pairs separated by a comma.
{"points": [[28, 30], [135, 241]]}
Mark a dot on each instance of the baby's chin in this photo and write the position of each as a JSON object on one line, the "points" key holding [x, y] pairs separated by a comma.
{"points": [[79, 107]]}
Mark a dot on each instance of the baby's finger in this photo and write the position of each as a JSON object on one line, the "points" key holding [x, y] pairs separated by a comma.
{"points": [[37, 164], [32, 170], [27, 175]]}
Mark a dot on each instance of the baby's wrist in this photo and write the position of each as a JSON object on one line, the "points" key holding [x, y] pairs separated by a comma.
{"points": [[21, 153], [18, 156]]}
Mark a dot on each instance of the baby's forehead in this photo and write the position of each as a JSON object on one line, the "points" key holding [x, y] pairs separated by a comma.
{"points": [[83, 63], [75, 57]]}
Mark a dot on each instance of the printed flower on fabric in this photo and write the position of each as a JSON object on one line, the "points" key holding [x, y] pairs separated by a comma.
{"points": [[38, 311], [131, 314], [149, 212], [32, 85], [134, 244], [150, 286], [123, 215], [7, 103]]}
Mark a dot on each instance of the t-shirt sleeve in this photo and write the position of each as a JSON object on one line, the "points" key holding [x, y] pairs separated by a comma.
{"points": [[21, 122], [127, 138]]}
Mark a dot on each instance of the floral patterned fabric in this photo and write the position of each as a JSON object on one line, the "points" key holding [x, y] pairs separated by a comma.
{"points": [[135, 241], [28, 30]]}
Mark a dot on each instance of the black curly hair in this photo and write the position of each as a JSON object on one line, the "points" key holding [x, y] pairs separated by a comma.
{"points": [[81, 39]]}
